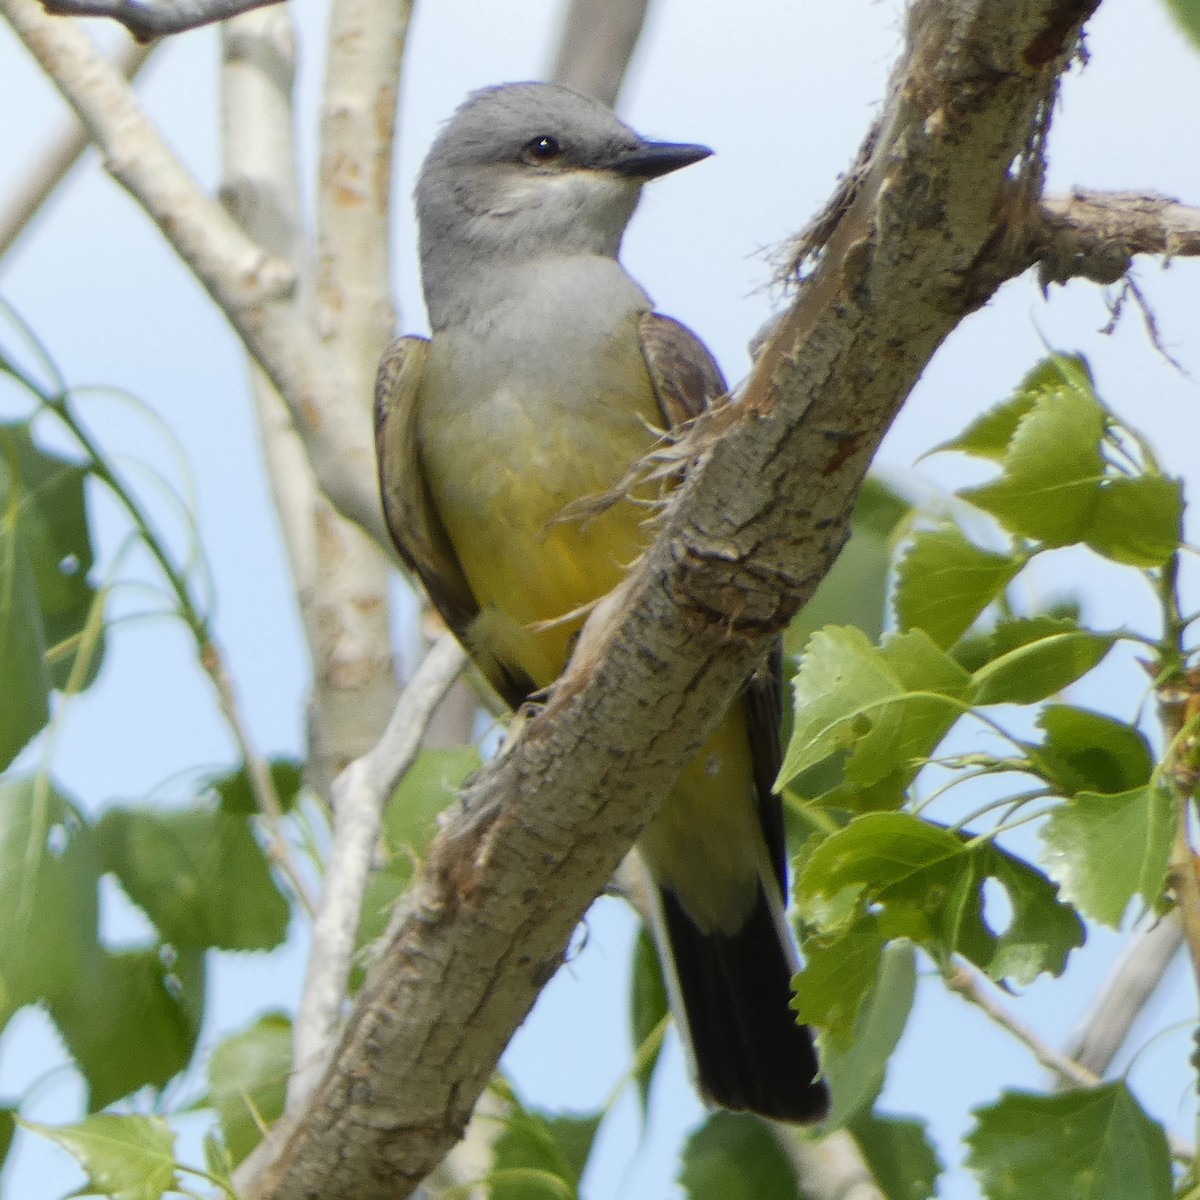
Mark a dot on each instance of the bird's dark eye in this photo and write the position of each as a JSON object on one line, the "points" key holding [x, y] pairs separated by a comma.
{"points": [[542, 149]]}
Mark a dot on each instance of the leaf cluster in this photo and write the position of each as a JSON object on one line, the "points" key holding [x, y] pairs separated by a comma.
{"points": [[875, 720]]}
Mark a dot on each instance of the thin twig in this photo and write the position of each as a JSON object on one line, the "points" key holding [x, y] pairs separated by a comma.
{"points": [[262, 786], [258, 771], [261, 191], [260, 188], [1178, 691], [1136, 977], [147, 19], [62, 151], [359, 794], [1182, 874], [968, 983], [1116, 306]]}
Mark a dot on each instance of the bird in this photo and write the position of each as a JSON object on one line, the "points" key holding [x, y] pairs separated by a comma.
{"points": [[547, 375]]}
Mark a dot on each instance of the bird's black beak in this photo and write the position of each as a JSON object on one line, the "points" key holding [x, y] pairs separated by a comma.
{"points": [[652, 159]]}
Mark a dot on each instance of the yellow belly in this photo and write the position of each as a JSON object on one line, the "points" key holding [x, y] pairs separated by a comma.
{"points": [[500, 472], [502, 469]]}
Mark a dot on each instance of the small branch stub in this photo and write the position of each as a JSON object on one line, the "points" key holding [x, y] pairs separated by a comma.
{"points": [[1094, 235]]}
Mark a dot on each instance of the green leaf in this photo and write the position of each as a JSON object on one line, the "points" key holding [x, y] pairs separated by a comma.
{"points": [[126, 1158], [889, 706], [854, 592], [385, 885], [1042, 930], [841, 676], [735, 1157], [134, 1021], [1187, 14], [1138, 521], [944, 581], [903, 1163], [429, 786], [1039, 669], [988, 436], [928, 885], [198, 874], [409, 822], [1088, 1144], [887, 858], [883, 795], [921, 665], [839, 971], [1052, 469], [25, 696], [574, 1135], [46, 493], [48, 910], [1056, 486], [648, 1006], [237, 797], [8, 1127], [554, 1146], [1085, 751], [1105, 849], [247, 1080], [976, 650], [855, 1075]]}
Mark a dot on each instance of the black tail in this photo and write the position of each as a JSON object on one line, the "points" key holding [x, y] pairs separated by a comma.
{"points": [[749, 1052]]}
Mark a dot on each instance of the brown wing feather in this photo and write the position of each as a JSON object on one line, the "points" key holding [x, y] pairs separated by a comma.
{"points": [[686, 377], [408, 508], [687, 380]]}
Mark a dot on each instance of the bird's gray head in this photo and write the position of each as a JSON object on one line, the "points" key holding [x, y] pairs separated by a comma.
{"points": [[530, 169]]}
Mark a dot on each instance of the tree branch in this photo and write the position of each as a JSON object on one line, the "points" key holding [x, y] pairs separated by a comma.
{"points": [[260, 188], [354, 686], [597, 41], [359, 794], [968, 983], [254, 289], [61, 153], [1103, 1031], [1094, 235], [938, 221], [830, 1169], [148, 19]]}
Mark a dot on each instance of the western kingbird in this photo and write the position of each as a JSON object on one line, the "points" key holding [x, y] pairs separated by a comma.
{"points": [[545, 376]]}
